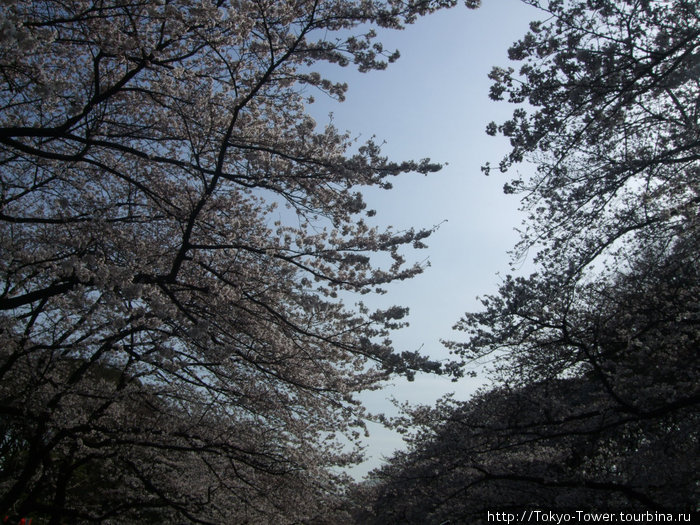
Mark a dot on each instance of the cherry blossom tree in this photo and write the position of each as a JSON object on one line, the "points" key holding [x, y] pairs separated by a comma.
{"points": [[176, 233], [607, 98], [594, 357], [608, 109], [596, 410]]}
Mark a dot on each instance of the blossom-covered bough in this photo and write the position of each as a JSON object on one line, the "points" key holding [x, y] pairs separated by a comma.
{"points": [[172, 348]]}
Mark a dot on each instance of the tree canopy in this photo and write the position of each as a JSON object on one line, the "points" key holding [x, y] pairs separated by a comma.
{"points": [[607, 98], [175, 232], [595, 356], [595, 410]]}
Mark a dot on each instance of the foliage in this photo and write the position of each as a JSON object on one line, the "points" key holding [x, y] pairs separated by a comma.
{"points": [[608, 110], [169, 336], [595, 356], [596, 410]]}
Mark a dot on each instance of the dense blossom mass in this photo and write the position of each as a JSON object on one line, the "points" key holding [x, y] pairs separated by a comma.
{"points": [[175, 232], [596, 364]]}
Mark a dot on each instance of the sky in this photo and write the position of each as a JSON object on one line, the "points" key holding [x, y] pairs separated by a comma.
{"points": [[433, 102]]}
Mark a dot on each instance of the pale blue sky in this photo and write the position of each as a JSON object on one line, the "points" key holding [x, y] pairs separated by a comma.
{"points": [[434, 103]]}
